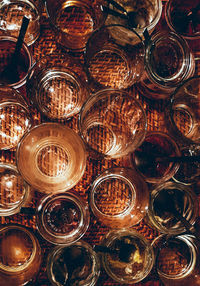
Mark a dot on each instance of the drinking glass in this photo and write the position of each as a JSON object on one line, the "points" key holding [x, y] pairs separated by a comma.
{"points": [[51, 157], [76, 264], [24, 63], [185, 201], [57, 86], [15, 117], [119, 197], [112, 123], [112, 58], [20, 255], [140, 259], [14, 191], [12, 13], [74, 21], [62, 218]]}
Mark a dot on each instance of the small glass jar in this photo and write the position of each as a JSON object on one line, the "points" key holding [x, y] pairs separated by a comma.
{"points": [[177, 260], [20, 255], [119, 197], [168, 62], [62, 218], [139, 261], [185, 201], [76, 264]]}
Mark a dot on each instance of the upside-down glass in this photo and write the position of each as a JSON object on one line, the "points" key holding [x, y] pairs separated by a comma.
{"points": [[20, 255], [113, 59], [62, 218], [12, 13], [74, 21], [15, 117], [168, 62], [119, 197], [76, 264], [185, 201], [156, 144], [51, 157], [184, 106], [57, 85], [7, 47], [14, 191], [112, 123], [177, 260], [141, 258]]}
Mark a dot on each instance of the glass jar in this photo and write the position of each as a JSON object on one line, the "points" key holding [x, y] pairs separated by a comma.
{"points": [[76, 264], [20, 255], [168, 62], [185, 201], [177, 260], [139, 261]]}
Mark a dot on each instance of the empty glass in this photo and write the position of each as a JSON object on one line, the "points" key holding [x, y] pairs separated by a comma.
{"points": [[119, 197], [15, 117], [51, 157], [62, 218], [57, 85], [112, 123]]}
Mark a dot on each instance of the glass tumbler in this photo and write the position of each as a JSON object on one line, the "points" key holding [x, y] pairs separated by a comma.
{"points": [[51, 157], [119, 197], [12, 13], [184, 106], [20, 255], [76, 264], [14, 191], [62, 218], [15, 117], [57, 85], [177, 260], [74, 21], [185, 201], [24, 63], [156, 145], [112, 58], [168, 62], [130, 258], [112, 123]]}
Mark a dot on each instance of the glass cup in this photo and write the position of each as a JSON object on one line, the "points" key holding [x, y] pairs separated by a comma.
{"points": [[142, 15], [57, 85], [76, 264], [51, 157], [139, 261], [15, 117], [62, 218], [178, 15], [119, 197], [112, 123], [156, 144], [7, 47], [74, 21], [168, 62], [20, 255], [112, 58], [177, 260], [14, 191], [12, 13], [184, 106], [185, 201]]}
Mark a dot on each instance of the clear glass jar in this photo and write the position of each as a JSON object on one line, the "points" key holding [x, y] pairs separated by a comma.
{"points": [[76, 264], [20, 255], [168, 62], [177, 260], [185, 201], [139, 263]]}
